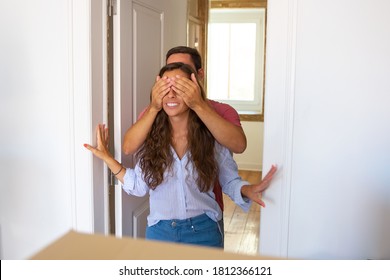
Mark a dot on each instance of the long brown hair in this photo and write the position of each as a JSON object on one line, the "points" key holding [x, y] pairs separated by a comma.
{"points": [[155, 155]]}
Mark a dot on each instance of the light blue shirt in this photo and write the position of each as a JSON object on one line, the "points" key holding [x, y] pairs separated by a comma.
{"points": [[178, 196]]}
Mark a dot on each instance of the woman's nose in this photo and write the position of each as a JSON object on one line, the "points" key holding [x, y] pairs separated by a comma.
{"points": [[171, 93]]}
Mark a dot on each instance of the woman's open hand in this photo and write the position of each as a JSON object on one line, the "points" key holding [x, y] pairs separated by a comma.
{"points": [[253, 192], [102, 140]]}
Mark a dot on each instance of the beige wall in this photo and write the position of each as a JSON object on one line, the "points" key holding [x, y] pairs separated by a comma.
{"points": [[252, 158]]}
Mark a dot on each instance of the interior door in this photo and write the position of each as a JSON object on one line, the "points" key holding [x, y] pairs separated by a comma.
{"points": [[143, 31]]}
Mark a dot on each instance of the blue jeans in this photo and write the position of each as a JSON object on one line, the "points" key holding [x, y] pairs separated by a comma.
{"points": [[199, 230]]}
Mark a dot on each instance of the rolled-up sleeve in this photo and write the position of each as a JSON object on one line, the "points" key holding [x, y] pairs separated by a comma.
{"points": [[133, 183], [229, 179]]}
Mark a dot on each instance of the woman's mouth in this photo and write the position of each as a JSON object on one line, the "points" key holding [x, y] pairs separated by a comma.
{"points": [[172, 104]]}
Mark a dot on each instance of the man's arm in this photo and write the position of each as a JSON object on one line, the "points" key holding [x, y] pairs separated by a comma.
{"points": [[228, 134], [135, 136]]}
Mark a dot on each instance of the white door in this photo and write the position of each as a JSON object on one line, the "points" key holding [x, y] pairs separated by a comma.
{"points": [[143, 31]]}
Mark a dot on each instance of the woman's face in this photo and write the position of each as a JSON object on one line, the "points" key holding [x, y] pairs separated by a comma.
{"points": [[173, 104]]}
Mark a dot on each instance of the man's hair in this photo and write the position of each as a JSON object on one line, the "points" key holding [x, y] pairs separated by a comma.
{"points": [[195, 56]]}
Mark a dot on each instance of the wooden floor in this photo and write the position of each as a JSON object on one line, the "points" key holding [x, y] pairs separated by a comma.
{"points": [[242, 229]]}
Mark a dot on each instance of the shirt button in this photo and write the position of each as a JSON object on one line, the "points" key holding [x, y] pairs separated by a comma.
{"points": [[173, 224]]}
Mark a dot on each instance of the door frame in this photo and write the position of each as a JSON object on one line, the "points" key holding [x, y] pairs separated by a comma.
{"points": [[278, 125], [88, 78]]}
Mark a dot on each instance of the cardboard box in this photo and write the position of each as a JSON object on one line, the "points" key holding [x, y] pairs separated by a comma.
{"points": [[81, 246]]}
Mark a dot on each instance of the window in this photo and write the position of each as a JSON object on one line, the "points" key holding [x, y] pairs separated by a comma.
{"points": [[235, 62]]}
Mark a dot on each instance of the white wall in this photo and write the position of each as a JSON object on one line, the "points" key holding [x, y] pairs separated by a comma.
{"points": [[45, 117], [327, 127], [53, 91]]}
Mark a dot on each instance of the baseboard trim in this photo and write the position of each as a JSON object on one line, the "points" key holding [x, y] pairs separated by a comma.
{"points": [[250, 166]]}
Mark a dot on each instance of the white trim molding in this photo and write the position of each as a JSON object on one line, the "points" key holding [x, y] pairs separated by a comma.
{"points": [[279, 116], [87, 75], [81, 127]]}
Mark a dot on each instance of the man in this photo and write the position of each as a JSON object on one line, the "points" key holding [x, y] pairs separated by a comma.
{"points": [[221, 119]]}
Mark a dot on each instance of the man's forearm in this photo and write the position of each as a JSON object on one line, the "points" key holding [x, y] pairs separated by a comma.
{"points": [[137, 133]]}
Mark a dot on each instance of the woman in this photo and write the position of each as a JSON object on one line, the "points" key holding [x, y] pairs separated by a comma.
{"points": [[178, 165]]}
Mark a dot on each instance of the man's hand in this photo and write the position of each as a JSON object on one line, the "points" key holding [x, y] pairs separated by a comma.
{"points": [[161, 87], [189, 90]]}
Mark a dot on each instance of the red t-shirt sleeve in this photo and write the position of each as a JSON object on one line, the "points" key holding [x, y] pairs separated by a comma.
{"points": [[226, 111]]}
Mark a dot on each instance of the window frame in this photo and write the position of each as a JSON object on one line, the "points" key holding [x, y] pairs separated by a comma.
{"points": [[246, 15]]}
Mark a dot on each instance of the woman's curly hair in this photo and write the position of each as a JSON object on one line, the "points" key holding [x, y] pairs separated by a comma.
{"points": [[155, 155]]}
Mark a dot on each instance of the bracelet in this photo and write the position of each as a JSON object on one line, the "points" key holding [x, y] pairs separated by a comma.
{"points": [[119, 171]]}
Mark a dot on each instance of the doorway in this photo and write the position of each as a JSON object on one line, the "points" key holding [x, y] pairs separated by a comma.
{"points": [[249, 162], [138, 41], [252, 123]]}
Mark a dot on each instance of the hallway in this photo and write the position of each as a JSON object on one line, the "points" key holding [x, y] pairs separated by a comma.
{"points": [[242, 229]]}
